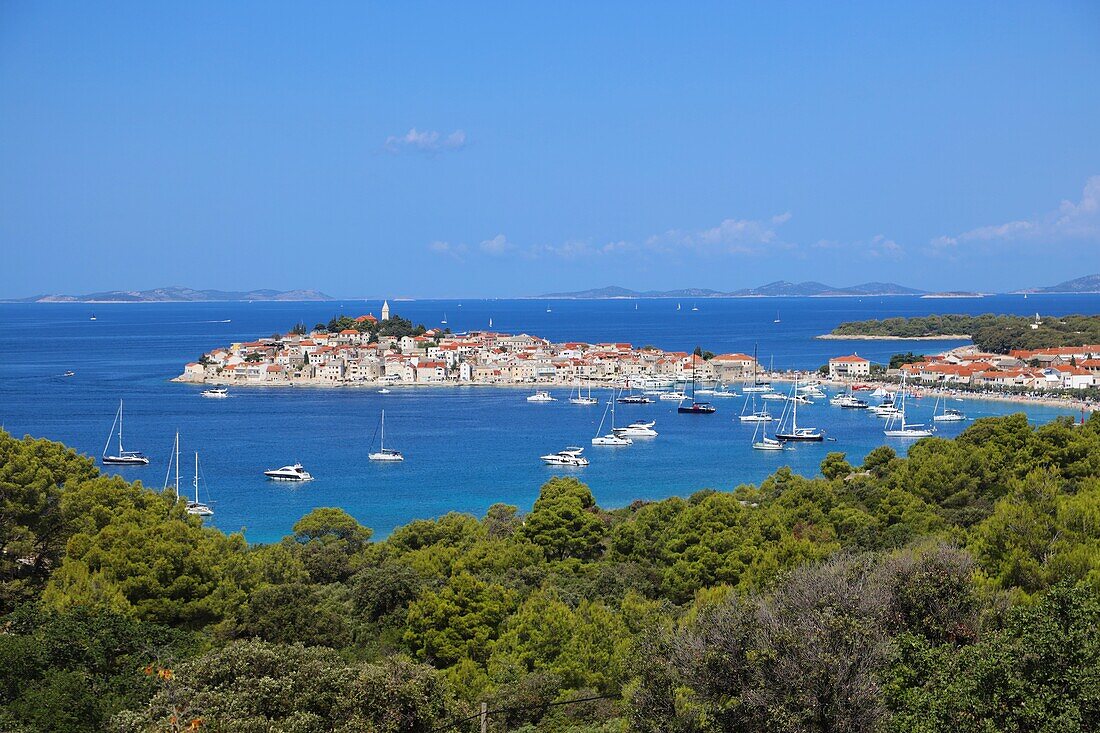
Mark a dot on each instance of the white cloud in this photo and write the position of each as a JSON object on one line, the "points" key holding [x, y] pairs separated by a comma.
{"points": [[885, 248], [426, 141], [1079, 220], [731, 236], [498, 245]]}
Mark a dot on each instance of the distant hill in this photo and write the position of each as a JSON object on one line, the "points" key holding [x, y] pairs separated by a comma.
{"points": [[178, 295], [775, 289], [1086, 284]]}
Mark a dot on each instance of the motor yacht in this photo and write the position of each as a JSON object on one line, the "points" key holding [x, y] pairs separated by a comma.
{"points": [[635, 399], [69, 373], [385, 391], [773, 396], [289, 473], [638, 429], [215, 392], [675, 395], [541, 396], [571, 456]]}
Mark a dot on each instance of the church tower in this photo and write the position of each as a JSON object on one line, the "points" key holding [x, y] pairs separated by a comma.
{"points": [[385, 310]]}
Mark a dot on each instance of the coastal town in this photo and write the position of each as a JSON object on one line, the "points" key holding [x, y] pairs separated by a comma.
{"points": [[362, 356], [351, 356]]}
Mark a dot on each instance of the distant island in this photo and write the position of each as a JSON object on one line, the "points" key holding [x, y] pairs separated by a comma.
{"points": [[779, 288], [996, 334], [1086, 284], [177, 295], [954, 294]]}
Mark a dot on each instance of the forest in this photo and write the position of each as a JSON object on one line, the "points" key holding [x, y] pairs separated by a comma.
{"points": [[957, 588], [991, 333]]}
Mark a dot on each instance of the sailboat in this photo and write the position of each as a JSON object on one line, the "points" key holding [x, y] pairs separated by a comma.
{"points": [[754, 415], [612, 438], [677, 306], [907, 430], [795, 433], [776, 317], [122, 457], [581, 399], [696, 408], [949, 414], [547, 307], [384, 453], [694, 307], [756, 386], [444, 321], [195, 507], [765, 443]]}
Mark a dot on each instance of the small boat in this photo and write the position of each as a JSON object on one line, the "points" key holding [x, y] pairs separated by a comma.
{"points": [[571, 456], [215, 392], [541, 396], [776, 317], [195, 507], [757, 387], [695, 307], [635, 399], [92, 318], [613, 438], [696, 408], [384, 453], [69, 373], [547, 307], [444, 321], [949, 414], [812, 390], [384, 391], [122, 457], [907, 430], [773, 396], [765, 443], [793, 432], [753, 415], [848, 402], [677, 396], [289, 473], [580, 399], [638, 429]]}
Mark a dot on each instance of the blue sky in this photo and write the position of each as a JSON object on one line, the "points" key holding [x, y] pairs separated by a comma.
{"points": [[496, 149]]}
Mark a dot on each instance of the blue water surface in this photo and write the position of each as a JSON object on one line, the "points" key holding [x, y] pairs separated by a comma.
{"points": [[466, 447]]}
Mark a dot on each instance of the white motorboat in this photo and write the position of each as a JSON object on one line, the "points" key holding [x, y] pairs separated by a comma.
{"points": [[385, 391], [289, 473], [571, 456], [638, 429], [383, 453], [812, 390], [773, 396], [122, 457], [848, 401], [542, 396], [801, 399], [758, 388], [676, 396], [215, 392]]}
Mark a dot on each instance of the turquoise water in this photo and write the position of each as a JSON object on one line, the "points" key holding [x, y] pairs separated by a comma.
{"points": [[466, 447]]}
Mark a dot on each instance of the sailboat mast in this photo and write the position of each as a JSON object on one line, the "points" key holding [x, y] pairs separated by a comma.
{"points": [[382, 440], [120, 427], [196, 477], [177, 464], [794, 408]]}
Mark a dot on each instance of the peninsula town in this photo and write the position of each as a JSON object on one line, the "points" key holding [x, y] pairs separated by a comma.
{"points": [[370, 350]]}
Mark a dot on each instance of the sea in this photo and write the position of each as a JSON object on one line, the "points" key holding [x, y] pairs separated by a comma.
{"points": [[466, 448]]}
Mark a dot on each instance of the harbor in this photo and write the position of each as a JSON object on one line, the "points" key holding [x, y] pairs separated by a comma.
{"points": [[465, 446]]}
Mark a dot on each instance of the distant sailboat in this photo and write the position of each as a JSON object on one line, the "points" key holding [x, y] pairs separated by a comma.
{"points": [[776, 317], [677, 306], [490, 321], [444, 321], [93, 315], [694, 307], [793, 432], [547, 307]]}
